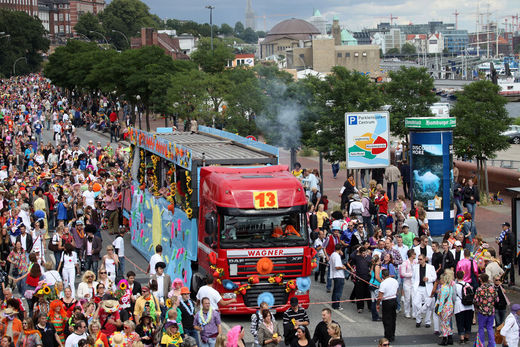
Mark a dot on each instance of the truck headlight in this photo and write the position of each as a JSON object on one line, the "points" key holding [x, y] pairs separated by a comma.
{"points": [[300, 292], [228, 296]]}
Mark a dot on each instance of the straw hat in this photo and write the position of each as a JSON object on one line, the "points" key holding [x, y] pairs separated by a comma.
{"points": [[110, 306]]}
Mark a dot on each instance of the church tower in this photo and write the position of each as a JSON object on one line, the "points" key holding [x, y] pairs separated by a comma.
{"points": [[250, 16]]}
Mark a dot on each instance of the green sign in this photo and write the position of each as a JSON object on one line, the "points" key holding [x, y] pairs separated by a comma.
{"points": [[430, 122]]}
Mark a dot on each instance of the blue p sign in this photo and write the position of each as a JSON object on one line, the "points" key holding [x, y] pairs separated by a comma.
{"points": [[352, 120]]}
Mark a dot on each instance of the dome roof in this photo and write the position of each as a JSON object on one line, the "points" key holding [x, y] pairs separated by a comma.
{"points": [[295, 29], [293, 26]]}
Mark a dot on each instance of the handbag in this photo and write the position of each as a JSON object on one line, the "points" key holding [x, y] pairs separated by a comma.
{"points": [[499, 339]]}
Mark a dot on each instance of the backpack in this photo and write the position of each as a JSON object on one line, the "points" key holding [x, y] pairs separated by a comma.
{"points": [[313, 221], [372, 208], [467, 294]]}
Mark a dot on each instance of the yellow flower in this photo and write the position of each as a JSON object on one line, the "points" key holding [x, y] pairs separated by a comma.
{"points": [[46, 290]]}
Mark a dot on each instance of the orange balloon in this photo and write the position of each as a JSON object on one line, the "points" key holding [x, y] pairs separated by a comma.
{"points": [[96, 187]]}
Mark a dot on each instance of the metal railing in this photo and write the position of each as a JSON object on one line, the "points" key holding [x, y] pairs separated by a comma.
{"points": [[506, 164]]}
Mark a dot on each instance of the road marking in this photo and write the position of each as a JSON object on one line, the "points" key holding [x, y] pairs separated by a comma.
{"points": [[341, 314]]}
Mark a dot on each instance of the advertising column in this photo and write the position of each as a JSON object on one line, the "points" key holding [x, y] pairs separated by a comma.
{"points": [[431, 169]]}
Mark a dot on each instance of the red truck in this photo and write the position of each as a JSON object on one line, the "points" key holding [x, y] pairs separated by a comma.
{"points": [[249, 215]]}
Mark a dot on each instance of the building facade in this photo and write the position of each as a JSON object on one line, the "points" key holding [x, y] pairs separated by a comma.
{"points": [[435, 43], [418, 41], [319, 22], [288, 34], [394, 39], [455, 41], [321, 55], [150, 37], [28, 6]]}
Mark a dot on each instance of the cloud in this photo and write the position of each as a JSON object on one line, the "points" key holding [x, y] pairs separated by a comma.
{"points": [[353, 14]]}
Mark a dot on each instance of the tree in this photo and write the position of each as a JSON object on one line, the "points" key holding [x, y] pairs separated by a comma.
{"points": [[26, 40], [187, 95], [88, 22], [342, 91], [260, 33], [128, 17], [212, 61], [393, 51], [225, 29], [409, 93], [408, 49], [249, 36], [481, 118], [239, 28]]}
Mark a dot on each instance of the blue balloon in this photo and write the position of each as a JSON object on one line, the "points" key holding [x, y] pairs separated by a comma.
{"points": [[303, 283], [229, 285], [266, 297]]}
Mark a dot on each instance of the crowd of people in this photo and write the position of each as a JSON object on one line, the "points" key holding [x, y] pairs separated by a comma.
{"points": [[386, 248], [59, 201]]}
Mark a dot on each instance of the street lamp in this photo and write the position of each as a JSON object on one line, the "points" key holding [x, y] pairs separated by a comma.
{"points": [[85, 36], [16, 61], [100, 34], [211, 8], [117, 31]]}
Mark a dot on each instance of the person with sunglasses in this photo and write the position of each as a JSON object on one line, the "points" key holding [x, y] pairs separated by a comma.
{"points": [[383, 342], [80, 328]]}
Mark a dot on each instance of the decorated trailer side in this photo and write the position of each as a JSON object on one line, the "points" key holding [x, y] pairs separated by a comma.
{"points": [[220, 205]]}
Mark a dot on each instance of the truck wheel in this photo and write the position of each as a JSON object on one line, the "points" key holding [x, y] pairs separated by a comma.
{"points": [[516, 140]]}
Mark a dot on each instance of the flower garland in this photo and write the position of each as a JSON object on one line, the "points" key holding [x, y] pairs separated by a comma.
{"points": [[131, 160], [155, 188], [142, 168], [203, 321], [172, 190], [189, 191]]}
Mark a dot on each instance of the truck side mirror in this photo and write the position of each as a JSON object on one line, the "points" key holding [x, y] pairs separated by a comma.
{"points": [[211, 223]]}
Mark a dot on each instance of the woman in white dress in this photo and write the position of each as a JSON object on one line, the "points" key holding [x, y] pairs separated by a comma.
{"points": [[110, 262]]}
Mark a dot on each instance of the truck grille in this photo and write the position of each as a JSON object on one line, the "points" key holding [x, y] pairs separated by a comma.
{"points": [[278, 291], [290, 266]]}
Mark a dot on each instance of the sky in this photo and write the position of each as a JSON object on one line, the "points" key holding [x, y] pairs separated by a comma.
{"points": [[353, 14]]}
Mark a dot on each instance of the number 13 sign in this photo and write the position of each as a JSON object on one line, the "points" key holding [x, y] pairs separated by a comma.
{"points": [[265, 199]]}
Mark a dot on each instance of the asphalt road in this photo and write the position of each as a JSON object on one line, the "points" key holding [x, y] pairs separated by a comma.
{"points": [[357, 329]]}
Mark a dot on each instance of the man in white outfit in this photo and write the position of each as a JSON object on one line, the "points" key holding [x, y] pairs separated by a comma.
{"points": [[406, 272], [425, 249], [422, 283]]}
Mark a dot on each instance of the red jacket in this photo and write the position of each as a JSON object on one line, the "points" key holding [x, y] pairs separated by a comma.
{"points": [[382, 202]]}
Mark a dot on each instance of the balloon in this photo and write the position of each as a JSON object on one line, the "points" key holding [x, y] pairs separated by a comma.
{"points": [[96, 187]]}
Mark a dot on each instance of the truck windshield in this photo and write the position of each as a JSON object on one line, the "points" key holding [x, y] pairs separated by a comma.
{"points": [[261, 230]]}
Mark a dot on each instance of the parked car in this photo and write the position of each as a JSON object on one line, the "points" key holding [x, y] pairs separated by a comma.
{"points": [[513, 133]]}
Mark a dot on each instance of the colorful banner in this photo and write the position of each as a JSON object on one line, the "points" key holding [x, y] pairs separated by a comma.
{"points": [[151, 224]]}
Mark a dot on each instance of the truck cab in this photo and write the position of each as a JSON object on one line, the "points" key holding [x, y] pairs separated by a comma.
{"points": [[247, 214]]}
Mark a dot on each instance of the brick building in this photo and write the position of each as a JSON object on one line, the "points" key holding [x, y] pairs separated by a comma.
{"points": [[150, 37], [58, 16], [28, 6]]}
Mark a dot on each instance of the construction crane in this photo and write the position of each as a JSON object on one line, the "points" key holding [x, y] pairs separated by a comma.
{"points": [[392, 19], [456, 14], [272, 16]]}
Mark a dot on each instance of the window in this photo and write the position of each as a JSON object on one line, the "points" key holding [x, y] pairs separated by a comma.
{"points": [[339, 55], [347, 54], [55, 17], [364, 54], [356, 54], [61, 17]]}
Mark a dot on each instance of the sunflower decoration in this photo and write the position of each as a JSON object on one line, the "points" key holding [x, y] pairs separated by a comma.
{"points": [[169, 303], [142, 168], [155, 188], [46, 290], [122, 290]]}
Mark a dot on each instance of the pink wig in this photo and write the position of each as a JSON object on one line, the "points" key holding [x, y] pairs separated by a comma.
{"points": [[233, 336]]}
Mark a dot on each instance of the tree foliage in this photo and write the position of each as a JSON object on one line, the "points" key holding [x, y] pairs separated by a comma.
{"points": [[26, 39], [212, 61], [342, 91], [128, 17], [392, 51], [408, 49], [409, 93], [88, 24], [481, 118]]}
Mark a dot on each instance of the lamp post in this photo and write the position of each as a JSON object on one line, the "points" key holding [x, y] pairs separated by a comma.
{"points": [[211, 8], [85, 36], [120, 32], [100, 34], [16, 61]]}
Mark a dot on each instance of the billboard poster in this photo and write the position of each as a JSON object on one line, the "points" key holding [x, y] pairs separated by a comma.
{"points": [[427, 171], [367, 136]]}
